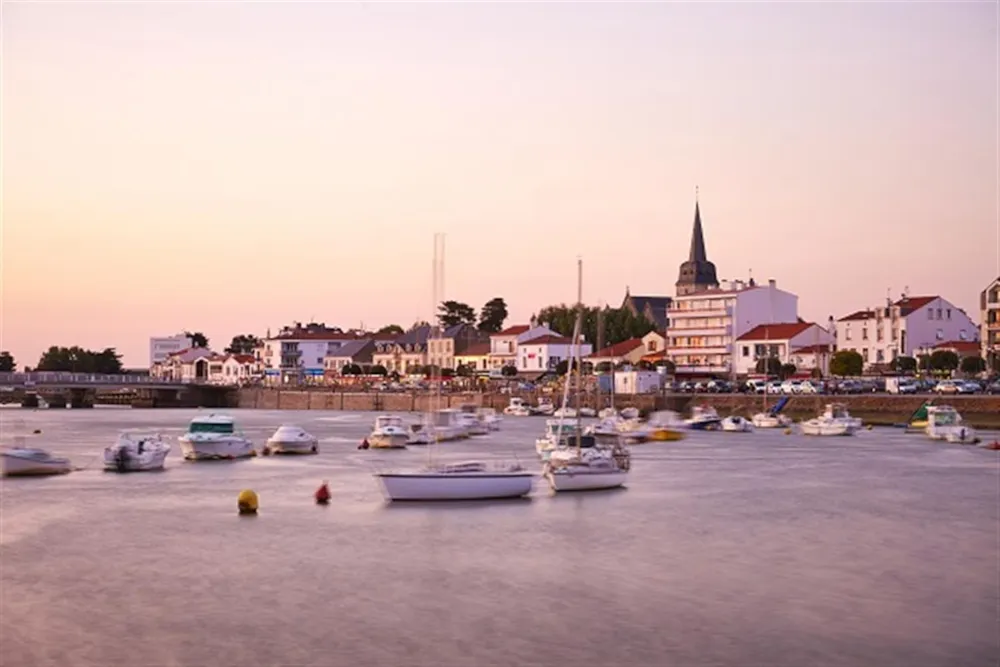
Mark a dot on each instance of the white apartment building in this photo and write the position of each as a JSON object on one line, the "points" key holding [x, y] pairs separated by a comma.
{"points": [[903, 327], [989, 320], [161, 347], [804, 344], [300, 354], [504, 345], [543, 353], [704, 325]]}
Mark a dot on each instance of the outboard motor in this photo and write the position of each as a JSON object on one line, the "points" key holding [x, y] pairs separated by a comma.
{"points": [[121, 459]]}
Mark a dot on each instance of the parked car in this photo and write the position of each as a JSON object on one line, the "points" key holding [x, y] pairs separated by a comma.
{"points": [[969, 387], [947, 387], [992, 387]]}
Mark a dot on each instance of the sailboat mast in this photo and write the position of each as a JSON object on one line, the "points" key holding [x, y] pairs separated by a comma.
{"points": [[576, 345]]}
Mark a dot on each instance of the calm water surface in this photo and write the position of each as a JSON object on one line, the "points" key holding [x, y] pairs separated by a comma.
{"points": [[726, 549]]}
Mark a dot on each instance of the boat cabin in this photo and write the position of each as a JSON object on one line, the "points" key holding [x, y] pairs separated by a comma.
{"points": [[383, 421], [943, 415], [836, 411], [212, 424]]}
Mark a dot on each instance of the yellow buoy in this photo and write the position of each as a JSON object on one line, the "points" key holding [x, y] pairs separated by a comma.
{"points": [[247, 502], [788, 431]]}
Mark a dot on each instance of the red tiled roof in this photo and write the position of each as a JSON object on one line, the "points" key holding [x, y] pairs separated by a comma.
{"points": [[858, 315], [961, 346], [653, 356], [618, 349], [241, 358], [811, 349], [475, 350], [777, 331], [549, 339], [911, 303], [514, 330]]}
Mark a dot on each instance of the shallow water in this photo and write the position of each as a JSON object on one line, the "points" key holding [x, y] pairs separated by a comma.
{"points": [[725, 549]]}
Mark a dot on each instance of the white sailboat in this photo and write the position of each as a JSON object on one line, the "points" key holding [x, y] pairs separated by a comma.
{"points": [[570, 466], [471, 480], [23, 461], [835, 420], [136, 452]]}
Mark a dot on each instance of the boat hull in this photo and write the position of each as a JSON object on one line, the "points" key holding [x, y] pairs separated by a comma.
{"points": [[451, 486], [828, 429], [290, 447], [16, 466], [134, 462], [204, 449], [585, 479], [705, 425], [770, 421], [388, 440]]}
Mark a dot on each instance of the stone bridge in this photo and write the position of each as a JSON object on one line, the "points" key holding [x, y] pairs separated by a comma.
{"points": [[80, 390]]}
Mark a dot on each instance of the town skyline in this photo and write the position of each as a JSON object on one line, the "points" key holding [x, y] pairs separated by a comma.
{"points": [[176, 196]]}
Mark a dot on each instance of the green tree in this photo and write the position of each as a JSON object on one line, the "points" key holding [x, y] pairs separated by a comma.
{"points": [[786, 371], [944, 360], [644, 365], [451, 313], [973, 365], [846, 363], [7, 364], [447, 373], [493, 315], [903, 364], [243, 344], [198, 339], [351, 369], [391, 329], [465, 370], [619, 323], [509, 371], [924, 362], [603, 367], [78, 360], [768, 366], [816, 374], [563, 366], [378, 369]]}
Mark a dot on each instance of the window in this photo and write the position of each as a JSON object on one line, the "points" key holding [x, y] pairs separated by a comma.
{"points": [[878, 334], [847, 335], [864, 353], [879, 356], [930, 313], [939, 313], [746, 350], [961, 334], [864, 333], [948, 313], [939, 334]]}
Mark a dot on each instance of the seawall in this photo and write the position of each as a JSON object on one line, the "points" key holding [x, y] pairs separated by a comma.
{"points": [[877, 409]]}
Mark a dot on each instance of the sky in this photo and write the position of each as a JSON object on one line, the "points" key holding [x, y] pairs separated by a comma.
{"points": [[233, 167]]}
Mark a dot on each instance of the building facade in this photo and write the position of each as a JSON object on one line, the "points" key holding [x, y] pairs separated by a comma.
{"points": [[806, 345], [298, 353], [475, 357], [543, 353], [161, 347], [444, 347], [359, 352], [504, 345], [903, 328], [989, 322], [406, 354], [653, 308]]}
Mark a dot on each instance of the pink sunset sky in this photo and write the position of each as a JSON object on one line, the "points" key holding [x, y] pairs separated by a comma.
{"points": [[232, 167]]}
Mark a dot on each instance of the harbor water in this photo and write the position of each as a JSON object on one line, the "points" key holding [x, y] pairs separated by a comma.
{"points": [[758, 549]]}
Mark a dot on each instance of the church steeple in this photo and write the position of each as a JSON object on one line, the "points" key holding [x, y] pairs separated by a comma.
{"points": [[697, 274]]}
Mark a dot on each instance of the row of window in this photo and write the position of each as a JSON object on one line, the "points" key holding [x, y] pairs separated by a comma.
{"points": [[699, 323], [702, 304]]}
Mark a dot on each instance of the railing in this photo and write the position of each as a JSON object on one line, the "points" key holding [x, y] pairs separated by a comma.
{"points": [[59, 377]]}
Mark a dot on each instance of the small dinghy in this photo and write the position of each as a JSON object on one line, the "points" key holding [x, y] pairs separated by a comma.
{"points": [[20, 461], [136, 452], [290, 439]]}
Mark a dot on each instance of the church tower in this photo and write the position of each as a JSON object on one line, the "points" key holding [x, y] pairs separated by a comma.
{"points": [[697, 273]]}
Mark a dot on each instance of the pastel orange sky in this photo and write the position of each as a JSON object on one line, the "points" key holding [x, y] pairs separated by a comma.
{"points": [[233, 167]]}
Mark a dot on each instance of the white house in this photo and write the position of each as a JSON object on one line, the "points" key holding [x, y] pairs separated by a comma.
{"points": [[504, 345], [232, 369], [300, 353], [544, 353], [804, 344], [161, 347], [903, 328], [195, 364], [628, 351], [704, 325]]}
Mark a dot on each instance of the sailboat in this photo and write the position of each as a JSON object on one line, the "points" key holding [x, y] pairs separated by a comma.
{"points": [[469, 480], [573, 467]]}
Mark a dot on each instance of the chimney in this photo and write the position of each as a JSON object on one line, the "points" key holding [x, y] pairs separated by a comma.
{"points": [[771, 282]]}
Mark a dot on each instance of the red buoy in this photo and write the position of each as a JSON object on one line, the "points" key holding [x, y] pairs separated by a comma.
{"points": [[322, 494]]}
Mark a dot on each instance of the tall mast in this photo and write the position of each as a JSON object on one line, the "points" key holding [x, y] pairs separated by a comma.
{"points": [[579, 361]]}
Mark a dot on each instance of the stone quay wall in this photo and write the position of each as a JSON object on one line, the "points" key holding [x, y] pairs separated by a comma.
{"points": [[878, 409]]}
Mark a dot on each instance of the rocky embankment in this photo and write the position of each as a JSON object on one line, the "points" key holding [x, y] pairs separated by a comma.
{"points": [[877, 409]]}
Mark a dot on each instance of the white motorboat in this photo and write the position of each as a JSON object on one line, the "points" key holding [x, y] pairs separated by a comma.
{"points": [[490, 418], [833, 421], [591, 469], [389, 433], [736, 424], [136, 452], [630, 413], [468, 419], [291, 439], [607, 429], [517, 408], [545, 407], [608, 413], [703, 418], [565, 413], [588, 412], [421, 433], [448, 424], [944, 423], [768, 420], [214, 437], [472, 480], [21, 461]]}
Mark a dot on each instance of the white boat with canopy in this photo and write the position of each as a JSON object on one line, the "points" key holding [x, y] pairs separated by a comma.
{"points": [[214, 437], [292, 439]]}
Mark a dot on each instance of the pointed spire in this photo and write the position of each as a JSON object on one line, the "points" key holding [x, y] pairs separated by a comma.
{"points": [[697, 253]]}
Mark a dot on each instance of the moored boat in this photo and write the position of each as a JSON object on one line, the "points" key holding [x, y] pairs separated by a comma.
{"points": [[214, 437], [389, 433], [945, 423], [489, 418], [835, 420], [591, 469], [21, 461], [473, 480], [736, 424], [517, 408], [291, 439], [136, 452], [703, 418], [545, 407]]}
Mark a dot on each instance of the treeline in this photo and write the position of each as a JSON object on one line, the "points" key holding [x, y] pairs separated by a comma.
{"points": [[79, 360], [616, 324]]}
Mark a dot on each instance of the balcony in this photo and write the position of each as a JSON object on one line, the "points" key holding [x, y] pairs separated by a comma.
{"points": [[703, 369]]}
